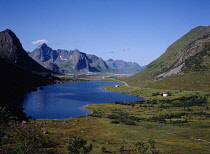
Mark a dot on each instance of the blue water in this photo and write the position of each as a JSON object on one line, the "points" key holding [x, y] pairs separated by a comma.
{"points": [[67, 100]]}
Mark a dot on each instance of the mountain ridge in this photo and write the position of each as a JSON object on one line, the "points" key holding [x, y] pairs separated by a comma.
{"points": [[123, 66], [188, 54], [68, 62], [12, 51]]}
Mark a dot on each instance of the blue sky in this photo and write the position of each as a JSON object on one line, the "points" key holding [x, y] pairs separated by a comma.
{"points": [[131, 30]]}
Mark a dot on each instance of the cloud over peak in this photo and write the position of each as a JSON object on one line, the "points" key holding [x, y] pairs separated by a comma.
{"points": [[41, 42], [124, 48]]}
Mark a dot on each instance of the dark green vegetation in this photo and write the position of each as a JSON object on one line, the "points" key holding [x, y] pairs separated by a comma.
{"points": [[185, 61], [77, 145], [21, 138], [175, 124], [179, 123]]}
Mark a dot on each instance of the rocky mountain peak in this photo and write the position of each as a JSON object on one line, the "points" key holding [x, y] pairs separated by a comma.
{"points": [[44, 45], [12, 51], [44, 53], [8, 31], [72, 61], [10, 42]]}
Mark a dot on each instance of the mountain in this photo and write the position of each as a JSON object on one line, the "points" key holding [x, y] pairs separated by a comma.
{"points": [[12, 51], [18, 74], [68, 62], [186, 60], [123, 66], [17, 68]]}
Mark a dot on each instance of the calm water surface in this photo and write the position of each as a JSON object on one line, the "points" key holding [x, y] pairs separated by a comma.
{"points": [[67, 100]]}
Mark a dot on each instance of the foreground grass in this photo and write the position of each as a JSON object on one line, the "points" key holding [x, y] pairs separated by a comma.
{"points": [[186, 134]]}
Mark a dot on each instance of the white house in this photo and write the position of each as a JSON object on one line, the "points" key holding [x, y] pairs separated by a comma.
{"points": [[165, 94]]}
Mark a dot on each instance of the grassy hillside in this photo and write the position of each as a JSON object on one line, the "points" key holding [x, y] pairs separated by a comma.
{"points": [[192, 81], [190, 53]]}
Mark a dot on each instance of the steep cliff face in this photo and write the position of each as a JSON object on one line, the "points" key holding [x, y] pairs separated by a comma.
{"points": [[12, 51], [124, 66], [68, 62]]}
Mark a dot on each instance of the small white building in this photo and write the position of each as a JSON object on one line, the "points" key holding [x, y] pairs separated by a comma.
{"points": [[116, 86], [165, 94]]}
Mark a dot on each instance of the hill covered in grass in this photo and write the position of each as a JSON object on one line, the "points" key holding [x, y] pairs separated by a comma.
{"points": [[186, 61]]}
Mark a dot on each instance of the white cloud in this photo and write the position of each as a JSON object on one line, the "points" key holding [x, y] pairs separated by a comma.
{"points": [[109, 52], [41, 42], [124, 48]]}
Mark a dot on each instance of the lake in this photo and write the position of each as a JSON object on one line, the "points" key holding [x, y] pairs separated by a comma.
{"points": [[60, 101]]}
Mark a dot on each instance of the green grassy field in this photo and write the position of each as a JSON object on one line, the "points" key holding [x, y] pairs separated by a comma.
{"points": [[199, 81], [192, 81], [175, 126]]}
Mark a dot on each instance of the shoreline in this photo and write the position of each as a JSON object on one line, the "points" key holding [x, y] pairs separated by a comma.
{"points": [[84, 107], [115, 90]]}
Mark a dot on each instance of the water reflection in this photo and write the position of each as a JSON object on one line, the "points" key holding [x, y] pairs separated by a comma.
{"points": [[66, 100]]}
